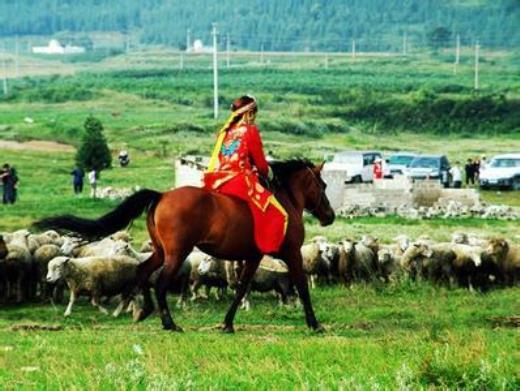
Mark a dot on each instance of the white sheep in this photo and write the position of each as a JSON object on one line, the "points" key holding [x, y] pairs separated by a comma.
{"points": [[313, 262], [96, 277], [104, 248], [358, 263]]}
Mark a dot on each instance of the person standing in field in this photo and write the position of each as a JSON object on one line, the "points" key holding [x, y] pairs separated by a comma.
{"points": [[77, 180], [377, 169], [92, 180], [476, 169], [483, 162], [9, 180], [456, 175], [469, 168]]}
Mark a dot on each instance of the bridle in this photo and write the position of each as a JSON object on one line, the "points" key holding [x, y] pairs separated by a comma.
{"points": [[322, 193]]}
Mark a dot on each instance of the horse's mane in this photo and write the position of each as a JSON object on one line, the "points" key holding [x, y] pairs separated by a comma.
{"points": [[283, 170]]}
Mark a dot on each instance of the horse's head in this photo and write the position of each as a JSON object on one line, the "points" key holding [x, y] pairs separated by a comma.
{"points": [[316, 201], [306, 186]]}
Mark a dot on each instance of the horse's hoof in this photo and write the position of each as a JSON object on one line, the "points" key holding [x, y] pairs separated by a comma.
{"points": [[318, 329], [228, 329], [177, 329], [172, 327]]}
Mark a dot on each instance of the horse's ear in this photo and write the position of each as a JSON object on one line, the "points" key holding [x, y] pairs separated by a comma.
{"points": [[319, 167]]}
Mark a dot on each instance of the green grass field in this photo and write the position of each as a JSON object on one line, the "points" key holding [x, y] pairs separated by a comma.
{"points": [[388, 338], [402, 336]]}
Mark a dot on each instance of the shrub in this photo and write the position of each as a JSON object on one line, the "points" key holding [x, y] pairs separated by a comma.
{"points": [[93, 152]]}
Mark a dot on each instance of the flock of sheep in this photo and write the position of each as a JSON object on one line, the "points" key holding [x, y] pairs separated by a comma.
{"points": [[41, 266]]}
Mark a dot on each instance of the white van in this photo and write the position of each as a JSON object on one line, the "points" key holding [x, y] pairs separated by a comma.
{"points": [[357, 165]]}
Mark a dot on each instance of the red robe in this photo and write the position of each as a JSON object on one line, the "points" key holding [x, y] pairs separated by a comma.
{"points": [[241, 159]]}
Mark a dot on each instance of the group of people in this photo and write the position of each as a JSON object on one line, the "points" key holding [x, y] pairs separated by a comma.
{"points": [[78, 176], [9, 181], [472, 170]]}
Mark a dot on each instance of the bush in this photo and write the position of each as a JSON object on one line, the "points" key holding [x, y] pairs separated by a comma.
{"points": [[93, 152]]}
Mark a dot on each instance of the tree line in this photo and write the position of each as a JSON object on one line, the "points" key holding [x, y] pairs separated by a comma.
{"points": [[276, 24]]}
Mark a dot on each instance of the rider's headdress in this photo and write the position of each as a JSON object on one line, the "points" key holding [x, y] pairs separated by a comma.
{"points": [[239, 107]]}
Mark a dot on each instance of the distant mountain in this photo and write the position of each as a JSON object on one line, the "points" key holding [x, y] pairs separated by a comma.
{"points": [[276, 24]]}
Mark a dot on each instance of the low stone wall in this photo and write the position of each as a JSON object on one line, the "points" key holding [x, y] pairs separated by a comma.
{"points": [[189, 170]]}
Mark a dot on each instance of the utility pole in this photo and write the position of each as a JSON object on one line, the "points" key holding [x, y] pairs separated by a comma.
{"points": [[16, 58], [188, 40], [353, 48], [477, 50], [228, 49], [215, 72], [262, 54], [4, 66], [457, 53], [405, 44], [127, 46]]}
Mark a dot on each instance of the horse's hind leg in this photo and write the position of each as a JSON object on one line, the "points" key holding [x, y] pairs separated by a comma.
{"points": [[172, 264], [242, 287], [144, 272]]}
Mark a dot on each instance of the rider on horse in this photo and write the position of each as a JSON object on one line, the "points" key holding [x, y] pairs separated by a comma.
{"points": [[235, 168]]}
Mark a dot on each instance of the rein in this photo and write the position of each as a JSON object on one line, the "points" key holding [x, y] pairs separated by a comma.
{"points": [[322, 193]]}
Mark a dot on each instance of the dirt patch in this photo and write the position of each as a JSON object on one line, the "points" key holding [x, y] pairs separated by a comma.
{"points": [[505, 321], [36, 145], [36, 327]]}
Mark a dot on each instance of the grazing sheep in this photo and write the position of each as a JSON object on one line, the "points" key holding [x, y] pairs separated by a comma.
{"points": [[272, 275], [507, 258], [47, 237], [213, 272], [472, 239], [403, 242], [332, 255], [314, 264], [389, 258], [459, 238], [121, 236], [180, 283], [3, 253], [147, 246], [3, 248], [96, 277], [415, 260], [17, 270], [371, 242], [328, 268], [41, 258], [358, 263], [466, 263], [104, 248]]}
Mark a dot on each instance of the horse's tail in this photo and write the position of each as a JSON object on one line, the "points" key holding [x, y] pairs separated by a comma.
{"points": [[131, 208]]}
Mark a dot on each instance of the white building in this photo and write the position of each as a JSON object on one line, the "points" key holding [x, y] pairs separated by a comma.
{"points": [[55, 47], [198, 47]]}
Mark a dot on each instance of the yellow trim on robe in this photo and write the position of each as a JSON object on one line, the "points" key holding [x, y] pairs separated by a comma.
{"points": [[279, 206]]}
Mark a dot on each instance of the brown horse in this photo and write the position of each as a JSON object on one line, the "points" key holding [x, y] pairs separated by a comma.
{"points": [[220, 226]]}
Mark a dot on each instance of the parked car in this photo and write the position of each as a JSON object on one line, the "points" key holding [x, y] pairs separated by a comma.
{"points": [[357, 165], [502, 171], [399, 162], [429, 167]]}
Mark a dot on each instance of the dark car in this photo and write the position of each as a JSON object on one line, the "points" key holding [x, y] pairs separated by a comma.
{"points": [[429, 167]]}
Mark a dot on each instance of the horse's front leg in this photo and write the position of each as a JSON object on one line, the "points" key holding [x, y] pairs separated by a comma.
{"points": [[242, 287], [294, 261]]}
